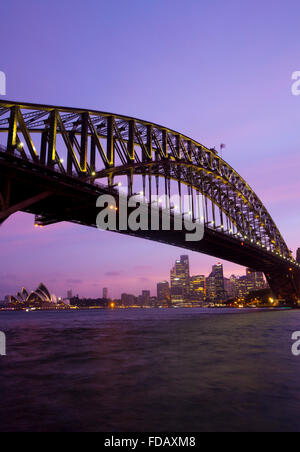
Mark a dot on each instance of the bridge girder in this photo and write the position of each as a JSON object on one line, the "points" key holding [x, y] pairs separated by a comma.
{"points": [[96, 144], [89, 146]]}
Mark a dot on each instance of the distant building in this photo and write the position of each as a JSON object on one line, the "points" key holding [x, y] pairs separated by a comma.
{"points": [[232, 287], [6, 299], [298, 255], [256, 280], [163, 292], [153, 301], [217, 279], [211, 288], [128, 300], [69, 294], [243, 285], [145, 298], [227, 287], [87, 302], [198, 287], [4, 303], [180, 280], [105, 293]]}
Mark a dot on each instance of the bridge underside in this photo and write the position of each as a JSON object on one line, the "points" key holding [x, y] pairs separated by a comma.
{"points": [[54, 197]]}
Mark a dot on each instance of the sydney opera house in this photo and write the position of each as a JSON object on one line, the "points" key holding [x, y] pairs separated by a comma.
{"points": [[41, 296]]}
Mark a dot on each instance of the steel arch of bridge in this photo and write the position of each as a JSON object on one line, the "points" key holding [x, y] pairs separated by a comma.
{"points": [[92, 146]]}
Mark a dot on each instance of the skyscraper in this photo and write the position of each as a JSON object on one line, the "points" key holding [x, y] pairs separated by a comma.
{"points": [[233, 287], [163, 291], [145, 298], [218, 275], [176, 287], [244, 286], [105, 293], [198, 287], [211, 288], [186, 269], [180, 280]]}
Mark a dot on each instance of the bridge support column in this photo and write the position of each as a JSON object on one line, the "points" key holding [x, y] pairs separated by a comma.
{"points": [[286, 286], [5, 191]]}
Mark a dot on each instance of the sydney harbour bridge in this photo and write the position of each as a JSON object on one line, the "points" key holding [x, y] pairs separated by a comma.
{"points": [[55, 162]]}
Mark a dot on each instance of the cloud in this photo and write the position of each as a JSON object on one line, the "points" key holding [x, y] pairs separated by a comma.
{"points": [[113, 273], [74, 281], [142, 267], [144, 280]]}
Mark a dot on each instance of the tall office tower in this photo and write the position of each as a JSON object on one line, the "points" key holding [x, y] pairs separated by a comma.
{"points": [[211, 288], [243, 286], [249, 281], [180, 280], [256, 280], [298, 255], [217, 273], [227, 288], [163, 291], [186, 269], [177, 294], [145, 298], [233, 286], [198, 287], [105, 293], [69, 294]]}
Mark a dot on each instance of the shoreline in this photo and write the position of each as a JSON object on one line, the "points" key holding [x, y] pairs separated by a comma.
{"points": [[249, 308]]}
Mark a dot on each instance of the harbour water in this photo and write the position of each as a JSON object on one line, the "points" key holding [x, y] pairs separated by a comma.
{"points": [[176, 370]]}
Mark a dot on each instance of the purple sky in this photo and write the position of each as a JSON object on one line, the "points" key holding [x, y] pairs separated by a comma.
{"points": [[217, 71]]}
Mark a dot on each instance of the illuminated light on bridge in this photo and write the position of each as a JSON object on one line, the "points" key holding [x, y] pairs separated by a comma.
{"points": [[55, 162]]}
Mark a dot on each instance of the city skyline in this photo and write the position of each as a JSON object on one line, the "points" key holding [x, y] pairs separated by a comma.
{"points": [[181, 264], [183, 285]]}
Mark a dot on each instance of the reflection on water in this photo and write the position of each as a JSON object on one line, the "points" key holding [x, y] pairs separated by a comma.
{"points": [[150, 370]]}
